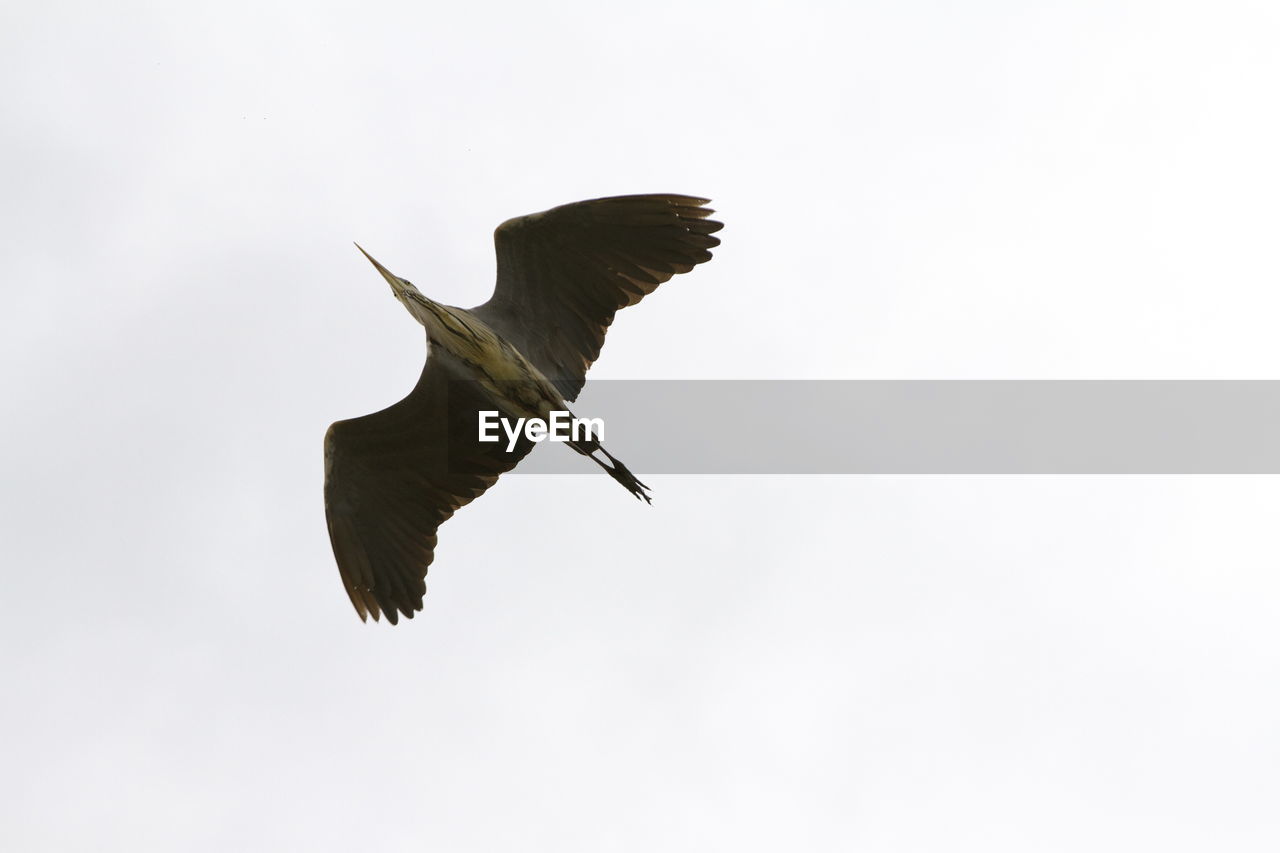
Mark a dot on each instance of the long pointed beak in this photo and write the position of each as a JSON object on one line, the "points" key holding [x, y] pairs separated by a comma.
{"points": [[392, 278]]}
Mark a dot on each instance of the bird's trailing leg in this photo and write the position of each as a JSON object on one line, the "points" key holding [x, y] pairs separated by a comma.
{"points": [[614, 467], [623, 475]]}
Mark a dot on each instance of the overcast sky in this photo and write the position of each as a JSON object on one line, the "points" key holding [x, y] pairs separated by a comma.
{"points": [[989, 190]]}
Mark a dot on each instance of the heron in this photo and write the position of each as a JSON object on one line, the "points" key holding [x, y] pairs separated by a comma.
{"points": [[394, 476]]}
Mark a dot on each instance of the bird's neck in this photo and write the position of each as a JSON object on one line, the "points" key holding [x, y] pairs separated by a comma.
{"points": [[426, 311], [451, 328]]}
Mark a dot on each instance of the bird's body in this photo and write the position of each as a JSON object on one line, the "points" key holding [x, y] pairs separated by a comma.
{"points": [[391, 478]]}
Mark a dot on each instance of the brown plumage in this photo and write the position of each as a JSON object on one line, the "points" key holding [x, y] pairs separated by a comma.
{"points": [[392, 477]]}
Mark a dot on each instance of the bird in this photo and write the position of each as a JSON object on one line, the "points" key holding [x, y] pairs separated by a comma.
{"points": [[394, 476]]}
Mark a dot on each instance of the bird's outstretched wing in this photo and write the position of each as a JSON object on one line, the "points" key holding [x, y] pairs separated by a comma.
{"points": [[564, 273], [391, 479]]}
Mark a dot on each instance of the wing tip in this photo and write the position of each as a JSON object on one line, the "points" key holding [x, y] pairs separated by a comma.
{"points": [[367, 605], [688, 200]]}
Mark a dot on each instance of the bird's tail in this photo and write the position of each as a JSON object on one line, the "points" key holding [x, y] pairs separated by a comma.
{"points": [[613, 467]]}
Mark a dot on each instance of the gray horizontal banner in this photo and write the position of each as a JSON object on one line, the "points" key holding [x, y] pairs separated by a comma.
{"points": [[929, 427]]}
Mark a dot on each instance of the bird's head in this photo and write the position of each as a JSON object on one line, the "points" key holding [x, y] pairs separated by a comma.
{"points": [[399, 286]]}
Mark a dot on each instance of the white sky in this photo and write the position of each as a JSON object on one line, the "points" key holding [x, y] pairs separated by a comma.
{"points": [[910, 190]]}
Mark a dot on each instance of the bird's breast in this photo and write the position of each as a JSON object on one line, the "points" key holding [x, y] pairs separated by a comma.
{"points": [[479, 353]]}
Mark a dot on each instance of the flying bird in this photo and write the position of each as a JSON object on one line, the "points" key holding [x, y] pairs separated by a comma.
{"points": [[393, 477]]}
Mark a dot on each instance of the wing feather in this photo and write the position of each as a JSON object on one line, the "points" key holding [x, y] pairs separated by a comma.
{"points": [[393, 477], [565, 272]]}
